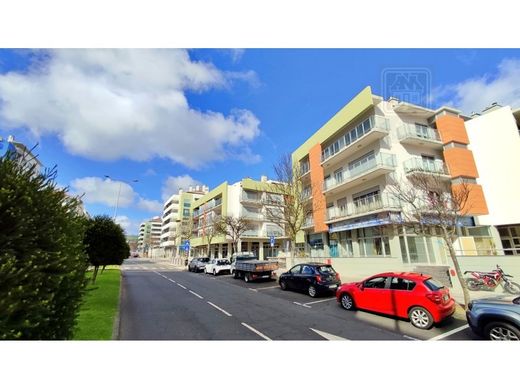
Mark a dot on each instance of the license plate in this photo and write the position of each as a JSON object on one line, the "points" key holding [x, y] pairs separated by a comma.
{"points": [[445, 298], [333, 286]]}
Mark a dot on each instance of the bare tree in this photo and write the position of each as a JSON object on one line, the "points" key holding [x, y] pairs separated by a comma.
{"points": [[233, 228], [186, 230], [432, 206], [211, 230], [289, 202]]}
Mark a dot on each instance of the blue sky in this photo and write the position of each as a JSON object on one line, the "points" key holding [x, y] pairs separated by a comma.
{"points": [[168, 117]]}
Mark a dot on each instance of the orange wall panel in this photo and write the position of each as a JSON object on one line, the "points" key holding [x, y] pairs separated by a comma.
{"points": [[476, 203], [318, 199], [460, 162], [452, 129]]}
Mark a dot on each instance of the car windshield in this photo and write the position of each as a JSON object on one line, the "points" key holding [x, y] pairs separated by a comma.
{"points": [[204, 260], [326, 270], [433, 285], [222, 262]]}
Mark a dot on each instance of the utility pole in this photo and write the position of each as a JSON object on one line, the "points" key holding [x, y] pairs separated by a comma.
{"points": [[119, 191]]}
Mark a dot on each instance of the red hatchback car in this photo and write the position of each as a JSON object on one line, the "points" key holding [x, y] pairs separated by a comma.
{"points": [[418, 297]]}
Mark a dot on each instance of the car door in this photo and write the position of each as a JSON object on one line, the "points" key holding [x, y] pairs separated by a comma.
{"points": [[401, 295], [292, 276], [375, 295], [306, 278]]}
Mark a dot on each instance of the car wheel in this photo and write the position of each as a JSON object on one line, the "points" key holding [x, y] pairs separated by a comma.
{"points": [[214, 272], [512, 288], [234, 275], [502, 331], [247, 278], [347, 302], [420, 317], [283, 285], [312, 291], [472, 284]]}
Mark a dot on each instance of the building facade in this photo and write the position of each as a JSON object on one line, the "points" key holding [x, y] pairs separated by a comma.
{"points": [[176, 218], [246, 199], [20, 153], [350, 162], [149, 235], [494, 136]]}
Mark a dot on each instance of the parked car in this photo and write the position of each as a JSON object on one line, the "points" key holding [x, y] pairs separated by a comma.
{"points": [[217, 266], [495, 318], [246, 265], [418, 297], [192, 265], [312, 278], [198, 264]]}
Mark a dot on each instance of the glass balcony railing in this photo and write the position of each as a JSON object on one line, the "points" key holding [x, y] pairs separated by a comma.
{"points": [[255, 216], [307, 193], [379, 160], [351, 136], [409, 130], [305, 168], [250, 197], [363, 206], [418, 164], [309, 222]]}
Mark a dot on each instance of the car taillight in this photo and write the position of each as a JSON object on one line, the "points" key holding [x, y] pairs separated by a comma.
{"points": [[436, 298], [337, 275], [318, 278]]}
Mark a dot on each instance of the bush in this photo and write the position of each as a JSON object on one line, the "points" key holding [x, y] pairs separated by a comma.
{"points": [[105, 243], [42, 257]]}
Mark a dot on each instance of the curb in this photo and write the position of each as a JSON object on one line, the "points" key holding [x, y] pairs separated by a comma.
{"points": [[117, 319]]}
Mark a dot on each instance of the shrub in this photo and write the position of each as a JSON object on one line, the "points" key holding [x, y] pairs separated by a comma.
{"points": [[42, 257]]}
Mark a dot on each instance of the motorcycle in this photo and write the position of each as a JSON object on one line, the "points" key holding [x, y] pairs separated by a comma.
{"points": [[490, 280]]}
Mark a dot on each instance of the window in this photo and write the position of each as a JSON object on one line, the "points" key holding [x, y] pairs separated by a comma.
{"points": [[362, 163], [338, 175], [378, 282], [421, 130], [307, 270], [296, 269], [401, 284], [326, 270], [433, 284], [428, 163]]}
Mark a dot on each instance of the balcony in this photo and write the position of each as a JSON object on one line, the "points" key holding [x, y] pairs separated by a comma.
{"points": [[305, 168], [246, 197], [307, 193], [308, 223], [361, 207], [253, 216], [418, 135], [377, 165], [420, 165], [368, 131]]}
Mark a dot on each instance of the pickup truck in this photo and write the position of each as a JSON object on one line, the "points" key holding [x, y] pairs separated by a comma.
{"points": [[246, 265]]}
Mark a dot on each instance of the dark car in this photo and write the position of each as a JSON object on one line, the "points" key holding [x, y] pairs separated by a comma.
{"points": [[312, 278], [198, 264], [495, 318]]}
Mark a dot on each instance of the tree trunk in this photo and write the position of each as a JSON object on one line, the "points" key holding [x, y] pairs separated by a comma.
{"points": [[94, 275], [103, 269], [460, 276]]}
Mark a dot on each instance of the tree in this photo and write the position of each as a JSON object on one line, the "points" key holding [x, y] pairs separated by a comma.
{"points": [[42, 257], [105, 243], [287, 203], [186, 230], [211, 230], [234, 228], [432, 205]]}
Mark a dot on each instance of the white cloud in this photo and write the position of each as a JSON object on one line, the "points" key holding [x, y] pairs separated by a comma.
{"points": [[476, 94], [103, 191], [112, 104], [174, 183], [130, 226], [150, 205], [236, 54]]}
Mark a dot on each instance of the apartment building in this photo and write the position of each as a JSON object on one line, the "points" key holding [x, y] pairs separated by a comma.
{"points": [[20, 153], [176, 217], [246, 199], [494, 136], [149, 235], [348, 164]]}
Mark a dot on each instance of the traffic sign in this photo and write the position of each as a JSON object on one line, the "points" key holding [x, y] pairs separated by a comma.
{"points": [[272, 241]]}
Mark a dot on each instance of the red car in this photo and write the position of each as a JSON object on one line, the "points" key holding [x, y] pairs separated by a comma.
{"points": [[418, 297]]}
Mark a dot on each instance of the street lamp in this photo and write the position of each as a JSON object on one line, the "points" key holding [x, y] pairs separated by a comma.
{"points": [[119, 191]]}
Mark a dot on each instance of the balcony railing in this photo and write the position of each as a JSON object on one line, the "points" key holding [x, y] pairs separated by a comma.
{"points": [[417, 165], [351, 136], [253, 216], [307, 193], [309, 222], [380, 160], [247, 197], [305, 168], [409, 130], [363, 206]]}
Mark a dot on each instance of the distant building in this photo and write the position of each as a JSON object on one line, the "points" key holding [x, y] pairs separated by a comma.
{"points": [[132, 242], [149, 235], [19, 152]]}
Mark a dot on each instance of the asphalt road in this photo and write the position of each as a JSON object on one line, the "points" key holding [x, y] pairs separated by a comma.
{"points": [[161, 302]]}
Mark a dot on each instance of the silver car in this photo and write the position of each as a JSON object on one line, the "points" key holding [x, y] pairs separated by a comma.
{"points": [[495, 318]]}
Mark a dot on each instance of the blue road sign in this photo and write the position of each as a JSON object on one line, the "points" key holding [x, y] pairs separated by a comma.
{"points": [[272, 240], [186, 245]]}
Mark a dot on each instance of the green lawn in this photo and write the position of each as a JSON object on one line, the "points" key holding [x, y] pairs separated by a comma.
{"points": [[98, 311]]}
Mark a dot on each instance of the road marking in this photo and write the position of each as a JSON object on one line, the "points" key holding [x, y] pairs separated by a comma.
{"points": [[256, 331], [253, 289], [323, 300], [453, 331], [218, 308], [197, 295], [266, 288], [181, 286], [171, 280], [410, 337], [301, 304], [328, 336]]}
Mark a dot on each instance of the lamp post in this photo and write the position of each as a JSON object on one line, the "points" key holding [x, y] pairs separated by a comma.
{"points": [[119, 191]]}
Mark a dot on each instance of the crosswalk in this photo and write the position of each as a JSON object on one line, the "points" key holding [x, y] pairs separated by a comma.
{"points": [[130, 265]]}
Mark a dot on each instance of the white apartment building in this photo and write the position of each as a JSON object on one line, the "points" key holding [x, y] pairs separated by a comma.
{"points": [[495, 141], [176, 216], [242, 199], [149, 235]]}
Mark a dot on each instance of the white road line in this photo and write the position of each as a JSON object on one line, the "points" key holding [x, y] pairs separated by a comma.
{"points": [[197, 295], [267, 288], [253, 289], [256, 331], [323, 300], [328, 336], [453, 331], [181, 286], [171, 280], [301, 304], [410, 337], [218, 308]]}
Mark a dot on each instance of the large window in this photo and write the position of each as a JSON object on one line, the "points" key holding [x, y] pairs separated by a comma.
{"points": [[420, 249], [362, 163], [351, 136], [373, 242]]}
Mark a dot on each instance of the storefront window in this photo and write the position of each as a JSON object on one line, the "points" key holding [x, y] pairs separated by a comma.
{"points": [[373, 242]]}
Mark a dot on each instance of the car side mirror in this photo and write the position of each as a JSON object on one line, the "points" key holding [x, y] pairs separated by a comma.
{"points": [[361, 286]]}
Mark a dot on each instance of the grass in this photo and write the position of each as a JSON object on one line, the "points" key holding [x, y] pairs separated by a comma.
{"points": [[98, 311]]}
